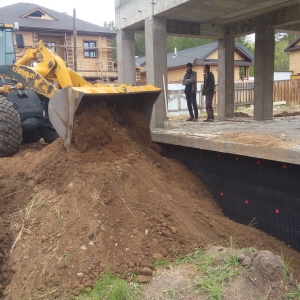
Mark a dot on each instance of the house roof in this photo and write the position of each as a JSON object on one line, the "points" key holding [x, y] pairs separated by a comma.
{"points": [[293, 46], [199, 54], [60, 21]]}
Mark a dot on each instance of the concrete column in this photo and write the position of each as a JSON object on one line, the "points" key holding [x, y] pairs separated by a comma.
{"points": [[156, 64], [226, 78], [264, 74], [126, 56]]}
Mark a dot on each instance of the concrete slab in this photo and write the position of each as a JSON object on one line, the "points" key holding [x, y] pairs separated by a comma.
{"points": [[277, 139]]}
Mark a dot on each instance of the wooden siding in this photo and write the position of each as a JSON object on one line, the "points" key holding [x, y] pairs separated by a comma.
{"points": [[215, 55], [295, 61]]}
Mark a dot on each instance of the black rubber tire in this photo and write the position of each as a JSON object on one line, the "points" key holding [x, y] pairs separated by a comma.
{"points": [[49, 134], [10, 128], [31, 137]]}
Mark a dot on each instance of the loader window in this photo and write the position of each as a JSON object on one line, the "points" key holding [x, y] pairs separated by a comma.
{"points": [[7, 50], [89, 49]]}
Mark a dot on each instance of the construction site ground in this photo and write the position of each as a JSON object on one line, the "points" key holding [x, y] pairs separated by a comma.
{"points": [[276, 139], [110, 203]]}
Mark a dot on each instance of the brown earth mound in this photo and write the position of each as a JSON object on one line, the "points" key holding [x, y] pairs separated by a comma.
{"points": [[241, 115], [287, 114], [109, 203]]}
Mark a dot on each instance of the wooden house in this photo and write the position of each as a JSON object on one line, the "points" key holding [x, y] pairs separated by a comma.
{"points": [[294, 51], [200, 56], [94, 53]]}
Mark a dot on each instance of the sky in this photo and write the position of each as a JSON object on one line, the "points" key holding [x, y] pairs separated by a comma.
{"points": [[94, 11]]}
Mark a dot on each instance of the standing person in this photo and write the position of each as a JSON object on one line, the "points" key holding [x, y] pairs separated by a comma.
{"points": [[209, 91], [190, 82]]}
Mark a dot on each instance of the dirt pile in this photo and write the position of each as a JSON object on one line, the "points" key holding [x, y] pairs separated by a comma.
{"points": [[287, 114], [110, 203]]}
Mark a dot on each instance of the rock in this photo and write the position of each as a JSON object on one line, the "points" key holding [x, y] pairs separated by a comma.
{"points": [[102, 228], [80, 275], [131, 264], [247, 262], [157, 256], [146, 271], [166, 233], [88, 284], [148, 265], [143, 278], [28, 232], [173, 229], [269, 265]]}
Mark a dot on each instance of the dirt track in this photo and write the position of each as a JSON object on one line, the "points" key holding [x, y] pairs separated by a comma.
{"points": [[109, 201]]}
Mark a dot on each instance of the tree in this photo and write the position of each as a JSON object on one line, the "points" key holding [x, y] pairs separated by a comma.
{"points": [[111, 25], [282, 41]]}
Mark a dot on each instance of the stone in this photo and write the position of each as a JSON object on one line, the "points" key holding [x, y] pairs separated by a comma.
{"points": [[173, 229], [143, 278], [146, 271], [166, 233], [131, 264], [247, 262], [157, 256], [269, 265]]}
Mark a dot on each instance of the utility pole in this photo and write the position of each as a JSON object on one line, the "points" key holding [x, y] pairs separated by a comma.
{"points": [[75, 40]]}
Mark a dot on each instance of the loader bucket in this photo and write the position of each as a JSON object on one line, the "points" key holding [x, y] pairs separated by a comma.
{"points": [[65, 102]]}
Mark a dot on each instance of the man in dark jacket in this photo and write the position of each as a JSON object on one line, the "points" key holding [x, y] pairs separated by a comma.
{"points": [[190, 82], [209, 91]]}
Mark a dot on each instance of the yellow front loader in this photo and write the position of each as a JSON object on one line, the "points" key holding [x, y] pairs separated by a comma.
{"points": [[63, 90]]}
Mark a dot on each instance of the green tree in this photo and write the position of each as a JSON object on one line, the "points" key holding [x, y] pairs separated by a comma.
{"points": [[282, 41], [109, 25], [139, 43]]}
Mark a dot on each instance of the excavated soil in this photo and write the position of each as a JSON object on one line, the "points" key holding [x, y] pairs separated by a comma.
{"points": [[287, 114], [257, 139], [109, 203]]}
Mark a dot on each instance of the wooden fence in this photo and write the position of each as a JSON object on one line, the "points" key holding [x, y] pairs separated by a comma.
{"points": [[287, 90], [284, 90]]}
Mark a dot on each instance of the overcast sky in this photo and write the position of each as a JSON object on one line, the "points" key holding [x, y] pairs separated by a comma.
{"points": [[94, 11]]}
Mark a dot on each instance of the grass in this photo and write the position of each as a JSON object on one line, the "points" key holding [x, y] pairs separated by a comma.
{"points": [[111, 287], [213, 276], [294, 295], [286, 267]]}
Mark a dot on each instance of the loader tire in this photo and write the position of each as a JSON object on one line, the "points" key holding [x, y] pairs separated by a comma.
{"points": [[10, 128], [49, 134]]}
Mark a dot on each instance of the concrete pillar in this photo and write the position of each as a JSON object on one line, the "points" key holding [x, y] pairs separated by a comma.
{"points": [[264, 74], [226, 78], [126, 56], [156, 64]]}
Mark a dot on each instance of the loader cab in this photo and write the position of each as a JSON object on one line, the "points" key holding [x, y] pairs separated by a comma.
{"points": [[7, 49]]}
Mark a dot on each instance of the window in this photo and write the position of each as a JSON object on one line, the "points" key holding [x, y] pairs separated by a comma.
{"points": [[51, 45], [89, 49], [38, 14]]}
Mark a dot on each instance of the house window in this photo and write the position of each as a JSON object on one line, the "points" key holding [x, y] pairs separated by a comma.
{"points": [[51, 45], [89, 49], [38, 14]]}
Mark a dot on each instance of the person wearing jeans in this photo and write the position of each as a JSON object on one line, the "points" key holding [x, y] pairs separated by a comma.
{"points": [[190, 82], [209, 91]]}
